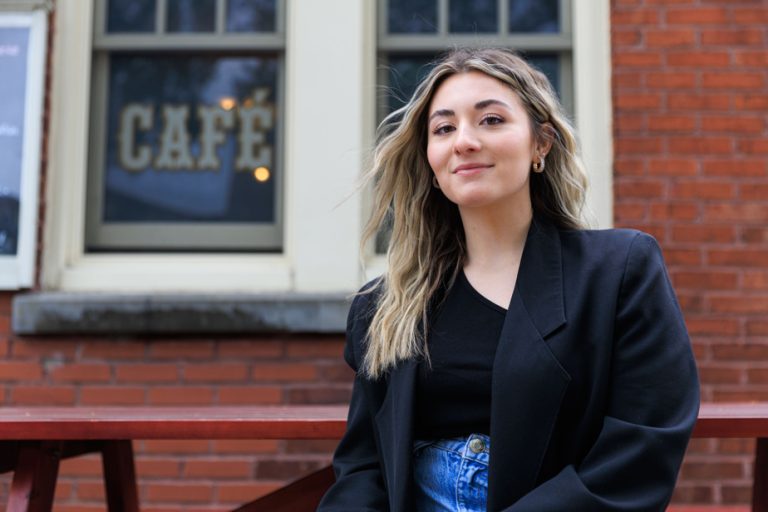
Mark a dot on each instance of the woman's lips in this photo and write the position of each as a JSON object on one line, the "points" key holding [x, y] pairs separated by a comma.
{"points": [[468, 169]]}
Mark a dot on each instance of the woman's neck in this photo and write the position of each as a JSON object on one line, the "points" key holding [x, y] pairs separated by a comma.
{"points": [[495, 242], [495, 239]]}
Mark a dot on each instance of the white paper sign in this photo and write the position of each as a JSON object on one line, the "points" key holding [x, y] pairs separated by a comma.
{"points": [[22, 57]]}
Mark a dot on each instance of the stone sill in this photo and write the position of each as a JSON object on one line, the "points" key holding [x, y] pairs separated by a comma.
{"points": [[104, 313]]}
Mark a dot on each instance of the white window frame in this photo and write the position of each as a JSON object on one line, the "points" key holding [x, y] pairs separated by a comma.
{"points": [[593, 108], [330, 79]]}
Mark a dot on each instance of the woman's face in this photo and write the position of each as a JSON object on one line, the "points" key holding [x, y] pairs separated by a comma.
{"points": [[479, 142]]}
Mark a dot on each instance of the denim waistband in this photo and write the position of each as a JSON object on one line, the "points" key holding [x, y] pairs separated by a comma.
{"points": [[475, 446]]}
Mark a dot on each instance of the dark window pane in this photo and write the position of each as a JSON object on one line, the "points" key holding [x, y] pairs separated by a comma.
{"points": [[550, 66], [191, 139], [412, 16], [191, 15], [405, 73], [131, 16], [13, 66], [534, 15], [473, 16], [251, 15]]}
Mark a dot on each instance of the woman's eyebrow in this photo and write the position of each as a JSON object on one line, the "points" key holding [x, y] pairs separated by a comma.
{"points": [[441, 113], [480, 105]]}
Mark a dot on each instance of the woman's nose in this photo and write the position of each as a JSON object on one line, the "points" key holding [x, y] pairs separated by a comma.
{"points": [[466, 140]]}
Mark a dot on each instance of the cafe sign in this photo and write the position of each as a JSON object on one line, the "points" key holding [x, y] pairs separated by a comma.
{"points": [[250, 123]]}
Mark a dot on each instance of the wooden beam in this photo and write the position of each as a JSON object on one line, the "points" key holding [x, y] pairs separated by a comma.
{"points": [[303, 495], [120, 476], [34, 481]]}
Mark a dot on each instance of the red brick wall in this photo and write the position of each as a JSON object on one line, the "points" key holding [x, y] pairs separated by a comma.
{"points": [[178, 475], [690, 92]]}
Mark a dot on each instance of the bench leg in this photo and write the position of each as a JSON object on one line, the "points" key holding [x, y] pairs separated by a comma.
{"points": [[120, 476], [303, 495], [760, 482], [34, 480]]}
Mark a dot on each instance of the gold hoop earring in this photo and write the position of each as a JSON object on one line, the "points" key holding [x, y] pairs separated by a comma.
{"points": [[539, 166], [434, 182]]}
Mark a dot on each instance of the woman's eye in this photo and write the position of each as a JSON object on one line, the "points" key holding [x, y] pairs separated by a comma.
{"points": [[440, 130], [492, 120]]}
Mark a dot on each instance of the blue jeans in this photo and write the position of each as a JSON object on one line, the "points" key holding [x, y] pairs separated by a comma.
{"points": [[451, 475]]}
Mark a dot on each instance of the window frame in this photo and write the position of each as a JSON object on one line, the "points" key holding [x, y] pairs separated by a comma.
{"points": [[170, 236], [323, 209]]}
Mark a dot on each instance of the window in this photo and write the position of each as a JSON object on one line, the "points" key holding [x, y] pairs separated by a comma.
{"points": [[186, 126], [566, 40], [324, 56], [412, 33]]}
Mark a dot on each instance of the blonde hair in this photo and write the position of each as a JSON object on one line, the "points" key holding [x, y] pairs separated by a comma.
{"points": [[427, 246]]}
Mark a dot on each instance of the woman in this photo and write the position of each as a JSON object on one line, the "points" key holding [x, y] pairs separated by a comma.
{"points": [[508, 360]]}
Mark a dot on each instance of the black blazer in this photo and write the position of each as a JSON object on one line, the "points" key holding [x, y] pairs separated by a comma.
{"points": [[594, 388]]}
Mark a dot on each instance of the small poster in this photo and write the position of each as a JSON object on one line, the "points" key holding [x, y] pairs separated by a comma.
{"points": [[14, 46], [22, 57]]}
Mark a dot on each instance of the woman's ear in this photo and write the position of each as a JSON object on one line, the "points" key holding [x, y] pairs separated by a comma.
{"points": [[544, 142]]}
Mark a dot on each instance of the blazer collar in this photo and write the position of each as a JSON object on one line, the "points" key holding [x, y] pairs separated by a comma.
{"points": [[540, 278]]}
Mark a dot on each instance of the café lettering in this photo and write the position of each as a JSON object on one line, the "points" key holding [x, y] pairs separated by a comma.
{"points": [[175, 148]]}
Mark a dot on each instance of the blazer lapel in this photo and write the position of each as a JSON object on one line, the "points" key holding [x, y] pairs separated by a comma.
{"points": [[395, 425], [528, 382]]}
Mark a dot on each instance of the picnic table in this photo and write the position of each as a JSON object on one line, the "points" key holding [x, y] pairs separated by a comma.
{"points": [[34, 439]]}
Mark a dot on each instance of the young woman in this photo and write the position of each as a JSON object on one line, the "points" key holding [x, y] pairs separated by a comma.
{"points": [[509, 359]]}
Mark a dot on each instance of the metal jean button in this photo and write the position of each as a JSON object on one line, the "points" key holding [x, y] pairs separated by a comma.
{"points": [[477, 445]]}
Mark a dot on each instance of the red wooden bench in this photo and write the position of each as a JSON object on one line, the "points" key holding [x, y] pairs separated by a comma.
{"points": [[34, 440]]}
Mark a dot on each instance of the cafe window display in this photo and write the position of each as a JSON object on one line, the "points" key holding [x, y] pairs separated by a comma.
{"points": [[186, 126]]}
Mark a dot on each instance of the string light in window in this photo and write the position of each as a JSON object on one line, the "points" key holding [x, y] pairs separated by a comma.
{"points": [[261, 174], [227, 103]]}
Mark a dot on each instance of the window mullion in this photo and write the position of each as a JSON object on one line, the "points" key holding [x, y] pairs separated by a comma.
{"points": [[221, 14], [280, 17], [503, 10], [422, 43], [566, 22], [160, 17], [382, 17], [190, 42], [442, 18], [100, 20]]}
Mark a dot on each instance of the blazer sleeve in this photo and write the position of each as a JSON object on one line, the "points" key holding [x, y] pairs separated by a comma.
{"points": [[652, 406], [359, 485]]}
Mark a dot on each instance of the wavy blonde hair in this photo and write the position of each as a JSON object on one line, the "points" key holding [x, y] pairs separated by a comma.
{"points": [[427, 247]]}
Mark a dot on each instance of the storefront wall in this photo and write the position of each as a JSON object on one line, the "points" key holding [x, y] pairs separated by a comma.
{"points": [[688, 96]]}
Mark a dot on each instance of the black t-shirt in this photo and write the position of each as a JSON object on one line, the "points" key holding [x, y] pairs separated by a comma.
{"points": [[453, 396]]}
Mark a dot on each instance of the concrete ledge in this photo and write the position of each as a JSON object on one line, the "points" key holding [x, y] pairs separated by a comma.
{"points": [[96, 313]]}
